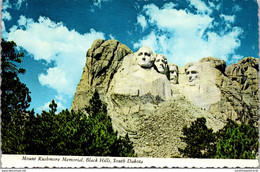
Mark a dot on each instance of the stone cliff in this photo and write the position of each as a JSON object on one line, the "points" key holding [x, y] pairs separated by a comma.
{"points": [[103, 60], [152, 100]]}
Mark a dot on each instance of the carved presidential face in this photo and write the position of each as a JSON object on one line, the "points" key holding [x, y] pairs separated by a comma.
{"points": [[173, 74], [145, 57], [192, 74], [160, 63]]}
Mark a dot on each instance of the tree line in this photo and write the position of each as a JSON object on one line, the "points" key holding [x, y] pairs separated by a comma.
{"points": [[233, 141]]}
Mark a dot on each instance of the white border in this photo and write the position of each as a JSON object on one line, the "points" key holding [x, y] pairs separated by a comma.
{"points": [[41, 161]]}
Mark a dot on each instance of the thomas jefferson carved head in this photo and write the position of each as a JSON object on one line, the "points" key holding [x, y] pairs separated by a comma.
{"points": [[145, 57], [160, 63], [173, 73]]}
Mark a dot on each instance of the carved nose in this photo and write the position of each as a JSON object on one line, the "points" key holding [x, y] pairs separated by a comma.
{"points": [[143, 58]]}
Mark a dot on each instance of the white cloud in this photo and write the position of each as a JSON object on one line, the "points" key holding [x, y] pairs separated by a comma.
{"points": [[169, 5], [18, 4], [184, 37], [98, 3], [6, 5], [237, 57], [200, 6], [228, 18], [179, 20], [6, 15], [141, 20], [23, 21], [57, 79], [149, 41], [137, 6], [111, 36], [236, 8], [213, 6], [51, 41], [46, 107], [59, 97], [130, 33]]}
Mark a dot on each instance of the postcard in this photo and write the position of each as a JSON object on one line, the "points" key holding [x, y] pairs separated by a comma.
{"points": [[113, 83]]}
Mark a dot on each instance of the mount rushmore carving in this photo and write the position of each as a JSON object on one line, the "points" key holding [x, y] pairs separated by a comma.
{"points": [[145, 72], [151, 99]]}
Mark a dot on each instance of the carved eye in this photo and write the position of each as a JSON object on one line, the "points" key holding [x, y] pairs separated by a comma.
{"points": [[140, 54], [147, 54], [193, 72], [157, 60]]}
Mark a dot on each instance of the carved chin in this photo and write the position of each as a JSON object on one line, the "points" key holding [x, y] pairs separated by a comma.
{"points": [[145, 64], [192, 82], [161, 70], [174, 81]]}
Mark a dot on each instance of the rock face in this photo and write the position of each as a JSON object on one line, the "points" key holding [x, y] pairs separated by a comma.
{"points": [[245, 75], [103, 60], [143, 102]]}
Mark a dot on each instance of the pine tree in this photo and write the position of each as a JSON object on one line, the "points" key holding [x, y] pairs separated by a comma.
{"points": [[233, 141], [15, 99], [199, 139], [15, 95], [237, 141], [104, 139]]}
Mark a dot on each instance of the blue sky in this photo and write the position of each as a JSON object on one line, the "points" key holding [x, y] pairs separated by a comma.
{"points": [[55, 35]]}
